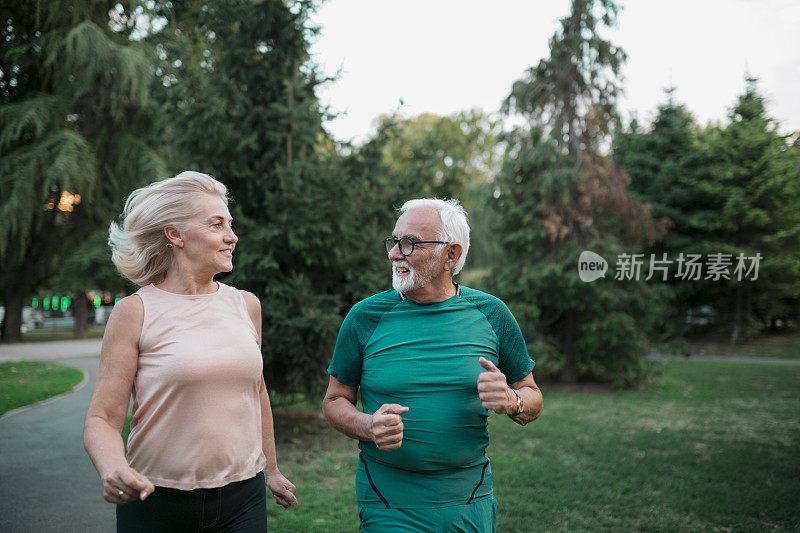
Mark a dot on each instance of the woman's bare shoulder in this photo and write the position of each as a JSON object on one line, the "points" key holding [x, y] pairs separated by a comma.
{"points": [[252, 301], [126, 317]]}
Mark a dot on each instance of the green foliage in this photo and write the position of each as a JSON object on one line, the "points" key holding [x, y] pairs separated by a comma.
{"points": [[670, 168], [598, 328], [756, 182], [91, 258], [727, 189], [73, 134], [556, 196], [237, 101], [574, 90], [439, 156], [423, 157]]}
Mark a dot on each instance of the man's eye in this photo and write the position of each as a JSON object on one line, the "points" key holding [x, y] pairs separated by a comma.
{"points": [[217, 225]]}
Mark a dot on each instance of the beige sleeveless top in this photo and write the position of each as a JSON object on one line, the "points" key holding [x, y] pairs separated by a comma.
{"points": [[196, 408]]}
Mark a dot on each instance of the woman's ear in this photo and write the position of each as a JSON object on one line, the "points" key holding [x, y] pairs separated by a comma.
{"points": [[173, 237]]}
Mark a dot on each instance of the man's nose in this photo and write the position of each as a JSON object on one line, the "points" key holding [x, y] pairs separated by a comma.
{"points": [[394, 253]]}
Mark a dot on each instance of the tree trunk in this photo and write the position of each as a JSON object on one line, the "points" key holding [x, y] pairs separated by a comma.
{"points": [[569, 374], [12, 322], [81, 313]]}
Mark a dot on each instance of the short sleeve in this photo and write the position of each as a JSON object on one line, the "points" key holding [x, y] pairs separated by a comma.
{"points": [[347, 354], [514, 360]]}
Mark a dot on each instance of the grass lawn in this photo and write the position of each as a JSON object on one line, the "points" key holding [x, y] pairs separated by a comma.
{"points": [[27, 382], [784, 346], [709, 446]]}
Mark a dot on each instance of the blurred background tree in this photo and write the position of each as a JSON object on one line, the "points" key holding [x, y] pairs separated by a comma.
{"points": [[98, 98], [558, 195], [453, 156], [669, 168], [726, 189], [755, 182], [237, 102], [73, 134]]}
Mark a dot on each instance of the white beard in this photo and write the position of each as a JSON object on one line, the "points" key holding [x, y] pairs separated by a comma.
{"points": [[416, 278]]}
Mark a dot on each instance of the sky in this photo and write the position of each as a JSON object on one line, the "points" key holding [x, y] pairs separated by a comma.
{"points": [[445, 56]]}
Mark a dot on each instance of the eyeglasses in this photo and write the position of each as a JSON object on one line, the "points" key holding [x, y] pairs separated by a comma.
{"points": [[406, 244]]}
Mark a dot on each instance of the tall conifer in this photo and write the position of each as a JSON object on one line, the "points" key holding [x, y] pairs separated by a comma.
{"points": [[558, 195], [73, 134]]}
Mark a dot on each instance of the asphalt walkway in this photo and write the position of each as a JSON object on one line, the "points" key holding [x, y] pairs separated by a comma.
{"points": [[47, 483], [49, 351]]}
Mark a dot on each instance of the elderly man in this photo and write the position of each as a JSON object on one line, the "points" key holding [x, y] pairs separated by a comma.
{"points": [[431, 359]]}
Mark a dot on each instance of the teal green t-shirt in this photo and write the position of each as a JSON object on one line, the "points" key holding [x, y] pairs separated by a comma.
{"points": [[425, 357]]}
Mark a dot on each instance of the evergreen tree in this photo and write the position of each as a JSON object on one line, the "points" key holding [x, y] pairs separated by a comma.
{"points": [[73, 134], [756, 184], [670, 168], [239, 103], [557, 195]]}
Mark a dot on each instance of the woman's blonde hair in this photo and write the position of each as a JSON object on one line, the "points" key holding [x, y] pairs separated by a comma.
{"points": [[138, 244]]}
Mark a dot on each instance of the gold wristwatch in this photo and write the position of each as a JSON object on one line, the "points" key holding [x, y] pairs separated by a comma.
{"points": [[520, 404]]}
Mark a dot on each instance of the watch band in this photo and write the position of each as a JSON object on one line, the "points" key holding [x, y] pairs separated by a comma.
{"points": [[520, 403]]}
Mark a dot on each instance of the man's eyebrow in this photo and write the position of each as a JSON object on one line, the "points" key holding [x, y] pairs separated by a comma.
{"points": [[409, 236]]}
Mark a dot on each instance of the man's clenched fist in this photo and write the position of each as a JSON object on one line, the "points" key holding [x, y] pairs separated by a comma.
{"points": [[493, 390], [387, 426]]}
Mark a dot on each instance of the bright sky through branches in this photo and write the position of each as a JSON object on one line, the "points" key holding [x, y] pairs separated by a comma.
{"points": [[444, 56]]}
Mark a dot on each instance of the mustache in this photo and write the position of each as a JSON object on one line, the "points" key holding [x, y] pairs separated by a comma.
{"points": [[405, 264]]}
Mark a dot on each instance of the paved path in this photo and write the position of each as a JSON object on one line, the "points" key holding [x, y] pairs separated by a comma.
{"points": [[47, 483], [49, 351]]}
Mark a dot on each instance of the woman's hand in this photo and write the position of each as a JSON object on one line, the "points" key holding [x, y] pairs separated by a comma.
{"points": [[282, 489], [124, 485]]}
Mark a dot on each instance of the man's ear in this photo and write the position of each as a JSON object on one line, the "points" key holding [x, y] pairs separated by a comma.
{"points": [[453, 254], [173, 236]]}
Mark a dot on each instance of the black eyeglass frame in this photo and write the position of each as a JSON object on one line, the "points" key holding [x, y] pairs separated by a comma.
{"points": [[390, 242]]}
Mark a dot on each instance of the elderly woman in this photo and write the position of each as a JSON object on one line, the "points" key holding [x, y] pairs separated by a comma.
{"points": [[201, 446]]}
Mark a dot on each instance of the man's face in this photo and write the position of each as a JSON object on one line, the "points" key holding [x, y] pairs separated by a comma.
{"points": [[426, 263]]}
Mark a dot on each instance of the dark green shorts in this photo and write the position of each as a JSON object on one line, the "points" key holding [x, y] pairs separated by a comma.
{"points": [[479, 516]]}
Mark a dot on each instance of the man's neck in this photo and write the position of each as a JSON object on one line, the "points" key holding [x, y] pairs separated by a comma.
{"points": [[435, 291]]}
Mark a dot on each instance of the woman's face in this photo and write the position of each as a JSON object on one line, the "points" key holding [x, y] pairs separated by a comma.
{"points": [[209, 240]]}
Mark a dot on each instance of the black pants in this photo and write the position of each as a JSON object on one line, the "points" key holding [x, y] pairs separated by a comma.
{"points": [[239, 507]]}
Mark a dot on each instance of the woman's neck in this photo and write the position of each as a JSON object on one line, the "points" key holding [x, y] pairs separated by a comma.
{"points": [[187, 283]]}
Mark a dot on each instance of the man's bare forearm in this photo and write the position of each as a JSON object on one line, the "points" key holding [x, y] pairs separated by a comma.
{"points": [[343, 416], [533, 405]]}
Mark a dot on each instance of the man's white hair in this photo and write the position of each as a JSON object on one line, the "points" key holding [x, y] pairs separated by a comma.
{"points": [[454, 228]]}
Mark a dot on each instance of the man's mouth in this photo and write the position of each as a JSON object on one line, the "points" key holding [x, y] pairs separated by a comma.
{"points": [[402, 270]]}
